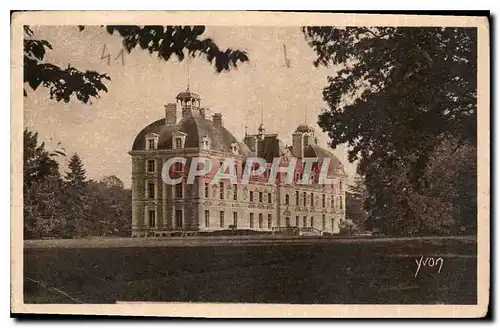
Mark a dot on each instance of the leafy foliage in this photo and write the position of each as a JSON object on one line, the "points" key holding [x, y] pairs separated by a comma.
{"points": [[165, 41], [355, 200], [348, 228], [77, 208], [39, 163], [61, 82], [399, 97]]}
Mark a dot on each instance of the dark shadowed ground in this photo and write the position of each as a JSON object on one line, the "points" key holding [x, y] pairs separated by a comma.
{"points": [[330, 271]]}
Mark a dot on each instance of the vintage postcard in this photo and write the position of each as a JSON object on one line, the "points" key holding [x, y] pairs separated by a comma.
{"points": [[250, 164]]}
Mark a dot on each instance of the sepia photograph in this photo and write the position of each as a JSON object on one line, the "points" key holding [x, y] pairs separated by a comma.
{"points": [[207, 164]]}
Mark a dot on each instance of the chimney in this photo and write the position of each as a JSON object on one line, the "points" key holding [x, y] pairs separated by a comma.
{"points": [[298, 145], [217, 119], [252, 142], [204, 112], [170, 114]]}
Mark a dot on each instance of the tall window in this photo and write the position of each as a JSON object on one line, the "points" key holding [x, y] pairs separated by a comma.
{"points": [[178, 143], [221, 219], [297, 198], [251, 220], [324, 200], [269, 221], [340, 202], [207, 189], [178, 167], [178, 218], [151, 166], [152, 218], [221, 190], [340, 185], [260, 197], [304, 222], [269, 198], [235, 219], [305, 200], [235, 192], [297, 221], [261, 221], [324, 222], [333, 202], [178, 191], [287, 221], [151, 190], [207, 219], [287, 199], [312, 199], [312, 221], [333, 224], [251, 196], [278, 222]]}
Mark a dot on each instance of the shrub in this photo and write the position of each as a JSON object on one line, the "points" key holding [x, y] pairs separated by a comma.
{"points": [[348, 228]]}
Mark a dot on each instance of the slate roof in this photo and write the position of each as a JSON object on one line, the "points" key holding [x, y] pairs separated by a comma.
{"points": [[196, 127], [321, 152]]}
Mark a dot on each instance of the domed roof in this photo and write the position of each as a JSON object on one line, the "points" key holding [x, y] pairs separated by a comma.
{"points": [[188, 95], [304, 128], [335, 166], [196, 128]]}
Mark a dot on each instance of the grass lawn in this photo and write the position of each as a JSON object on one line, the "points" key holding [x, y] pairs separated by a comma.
{"points": [[324, 272]]}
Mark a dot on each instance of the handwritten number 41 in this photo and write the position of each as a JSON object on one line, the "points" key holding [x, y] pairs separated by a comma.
{"points": [[430, 262], [107, 56]]}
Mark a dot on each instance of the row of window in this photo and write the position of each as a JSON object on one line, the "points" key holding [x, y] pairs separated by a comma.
{"points": [[302, 201], [151, 168], [151, 191], [179, 193], [179, 141], [152, 218], [222, 223], [152, 142], [260, 223]]}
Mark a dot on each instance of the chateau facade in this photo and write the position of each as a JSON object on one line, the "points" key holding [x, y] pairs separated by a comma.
{"points": [[188, 131]]}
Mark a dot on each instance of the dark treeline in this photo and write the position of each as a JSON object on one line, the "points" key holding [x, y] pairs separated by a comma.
{"points": [[404, 100], [69, 205]]}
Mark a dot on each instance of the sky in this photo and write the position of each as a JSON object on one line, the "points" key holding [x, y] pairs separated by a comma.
{"points": [[102, 133]]}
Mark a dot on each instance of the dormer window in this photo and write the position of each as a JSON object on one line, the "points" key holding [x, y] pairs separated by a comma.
{"points": [[235, 148], [151, 141], [206, 143], [178, 140], [151, 144]]}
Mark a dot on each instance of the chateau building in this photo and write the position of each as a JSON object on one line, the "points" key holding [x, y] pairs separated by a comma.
{"points": [[187, 130]]}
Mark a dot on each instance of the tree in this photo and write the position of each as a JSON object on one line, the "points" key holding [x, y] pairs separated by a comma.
{"points": [[164, 41], [112, 182], [76, 176], [400, 94], [355, 203], [39, 163], [41, 182], [75, 209]]}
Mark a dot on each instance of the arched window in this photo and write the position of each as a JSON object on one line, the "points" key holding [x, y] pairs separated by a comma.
{"points": [[235, 148], [206, 143]]}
